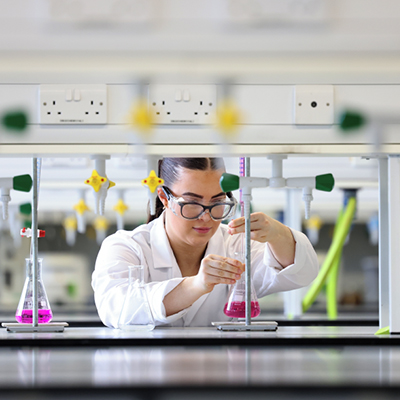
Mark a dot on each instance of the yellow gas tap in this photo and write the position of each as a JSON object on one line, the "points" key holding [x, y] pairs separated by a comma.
{"points": [[100, 225], [140, 117], [120, 208], [152, 182], [70, 225], [99, 182], [80, 209]]}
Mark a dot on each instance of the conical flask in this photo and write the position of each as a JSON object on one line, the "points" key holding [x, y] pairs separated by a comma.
{"points": [[24, 313], [136, 313], [235, 307]]}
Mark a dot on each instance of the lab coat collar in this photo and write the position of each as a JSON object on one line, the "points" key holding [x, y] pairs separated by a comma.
{"points": [[163, 256]]}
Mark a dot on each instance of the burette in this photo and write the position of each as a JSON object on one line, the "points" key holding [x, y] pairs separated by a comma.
{"points": [[36, 170], [245, 237]]}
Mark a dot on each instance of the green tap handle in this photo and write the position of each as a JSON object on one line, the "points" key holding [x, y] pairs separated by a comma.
{"points": [[351, 120], [229, 182], [324, 182], [25, 209], [16, 121], [23, 183]]}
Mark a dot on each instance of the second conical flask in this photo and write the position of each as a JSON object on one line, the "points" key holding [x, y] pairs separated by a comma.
{"points": [[235, 306], [136, 313], [24, 312]]}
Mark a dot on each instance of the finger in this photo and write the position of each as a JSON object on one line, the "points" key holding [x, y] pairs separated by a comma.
{"points": [[259, 236], [260, 225], [259, 221], [213, 280], [241, 220], [223, 274], [239, 225], [227, 260], [254, 217], [215, 276], [240, 262], [228, 265], [220, 271], [236, 222], [259, 215], [236, 230]]}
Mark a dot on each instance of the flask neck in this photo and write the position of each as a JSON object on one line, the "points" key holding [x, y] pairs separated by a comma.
{"points": [[136, 275], [29, 267]]}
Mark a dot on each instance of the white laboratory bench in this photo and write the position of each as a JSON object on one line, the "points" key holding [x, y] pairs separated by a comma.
{"points": [[173, 363], [165, 336]]}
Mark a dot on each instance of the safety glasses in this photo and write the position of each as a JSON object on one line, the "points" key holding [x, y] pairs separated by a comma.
{"points": [[192, 210]]}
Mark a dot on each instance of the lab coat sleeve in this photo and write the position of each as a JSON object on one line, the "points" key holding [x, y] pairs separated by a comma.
{"points": [[110, 281], [270, 277]]}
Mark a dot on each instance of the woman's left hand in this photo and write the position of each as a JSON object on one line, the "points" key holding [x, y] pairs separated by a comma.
{"points": [[263, 228], [266, 229]]}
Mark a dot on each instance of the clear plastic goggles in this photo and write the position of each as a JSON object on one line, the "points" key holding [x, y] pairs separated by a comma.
{"points": [[192, 210]]}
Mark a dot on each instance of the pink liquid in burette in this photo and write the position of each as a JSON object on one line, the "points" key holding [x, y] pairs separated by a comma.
{"points": [[26, 316], [237, 309]]}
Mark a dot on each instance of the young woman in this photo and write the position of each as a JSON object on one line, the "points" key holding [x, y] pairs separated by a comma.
{"points": [[189, 255]]}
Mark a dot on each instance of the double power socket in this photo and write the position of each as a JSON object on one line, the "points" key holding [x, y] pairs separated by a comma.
{"points": [[183, 104], [73, 104]]}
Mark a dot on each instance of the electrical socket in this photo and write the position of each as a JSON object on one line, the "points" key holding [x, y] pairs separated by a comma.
{"points": [[73, 104], [183, 104], [314, 105]]}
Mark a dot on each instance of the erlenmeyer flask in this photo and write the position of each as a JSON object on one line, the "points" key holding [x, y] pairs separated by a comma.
{"points": [[24, 312], [136, 313], [235, 307]]}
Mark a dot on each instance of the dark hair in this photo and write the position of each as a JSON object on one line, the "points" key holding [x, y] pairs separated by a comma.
{"points": [[169, 169]]}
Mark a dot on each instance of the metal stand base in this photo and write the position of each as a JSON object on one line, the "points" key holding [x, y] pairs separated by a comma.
{"points": [[241, 326], [50, 327]]}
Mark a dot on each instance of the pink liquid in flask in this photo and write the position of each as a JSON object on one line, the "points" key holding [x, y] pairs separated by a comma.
{"points": [[237, 309], [26, 316]]}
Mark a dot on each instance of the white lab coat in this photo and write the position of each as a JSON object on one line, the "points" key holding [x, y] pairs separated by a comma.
{"points": [[148, 245]]}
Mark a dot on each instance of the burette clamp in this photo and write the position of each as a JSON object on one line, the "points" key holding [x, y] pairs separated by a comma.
{"points": [[27, 232]]}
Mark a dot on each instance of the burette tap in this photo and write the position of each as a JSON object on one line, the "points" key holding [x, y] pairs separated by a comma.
{"points": [[99, 182]]}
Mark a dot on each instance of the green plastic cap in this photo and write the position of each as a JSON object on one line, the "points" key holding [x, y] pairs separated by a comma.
{"points": [[229, 182], [23, 183], [324, 182], [25, 209], [350, 120], [17, 121]]}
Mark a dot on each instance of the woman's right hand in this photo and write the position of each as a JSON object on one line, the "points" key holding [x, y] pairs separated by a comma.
{"points": [[215, 270]]}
